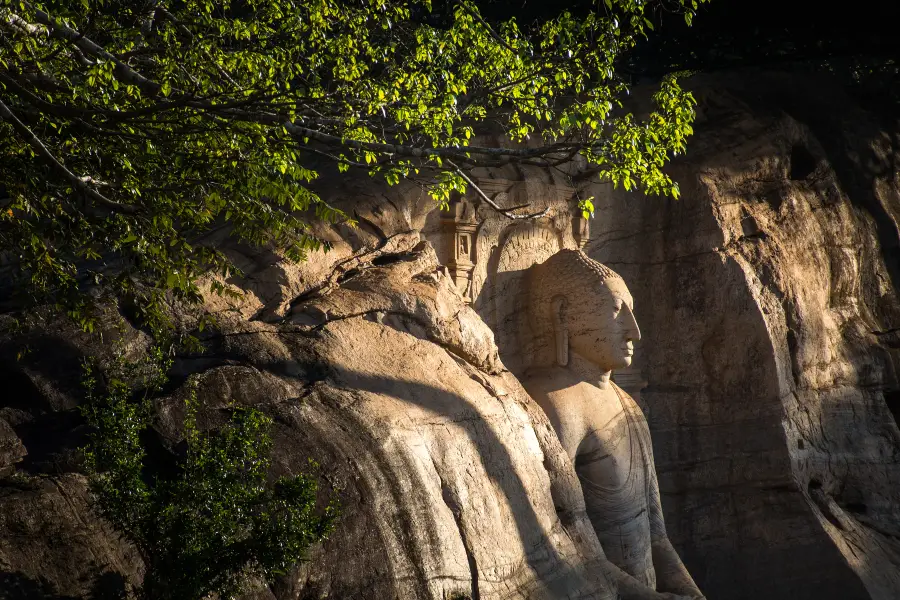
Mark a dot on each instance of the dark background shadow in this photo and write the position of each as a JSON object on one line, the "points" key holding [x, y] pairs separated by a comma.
{"points": [[18, 586]]}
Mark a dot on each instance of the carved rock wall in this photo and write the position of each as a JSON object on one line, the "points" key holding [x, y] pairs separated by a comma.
{"points": [[503, 249], [451, 480], [767, 298]]}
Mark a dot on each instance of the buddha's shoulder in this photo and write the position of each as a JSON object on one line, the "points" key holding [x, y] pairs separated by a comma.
{"points": [[630, 406], [550, 386], [625, 396]]}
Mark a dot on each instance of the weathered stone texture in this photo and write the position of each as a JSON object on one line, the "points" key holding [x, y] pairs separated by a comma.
{"points": [[52, 547], [767, 298], [451, 480], [11, 448]]}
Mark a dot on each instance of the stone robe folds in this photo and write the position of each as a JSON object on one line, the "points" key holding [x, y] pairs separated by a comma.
{"points": [[627, 510]]}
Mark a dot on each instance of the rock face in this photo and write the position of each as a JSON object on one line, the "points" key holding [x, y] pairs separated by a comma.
{"points": [[768, 302], [767, 298], [51, 547], [11, 448], [452, 482]]}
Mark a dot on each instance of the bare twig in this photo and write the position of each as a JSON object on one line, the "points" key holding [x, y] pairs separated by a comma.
{"points": [[348, 162], [503, 211], [497, 37]]}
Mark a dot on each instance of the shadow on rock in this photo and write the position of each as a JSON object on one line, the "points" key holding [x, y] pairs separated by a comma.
{"points": [[18, 586]]}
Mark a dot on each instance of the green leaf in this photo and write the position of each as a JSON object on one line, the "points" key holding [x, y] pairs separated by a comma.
{"points": [[217, 501], [251, 95]]}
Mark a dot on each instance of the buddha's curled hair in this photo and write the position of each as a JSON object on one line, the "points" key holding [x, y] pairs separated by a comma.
{"points": [[564, 273]]}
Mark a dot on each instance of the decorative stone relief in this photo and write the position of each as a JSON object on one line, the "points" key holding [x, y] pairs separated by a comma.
{"points": [[581, 229], [459, 226], [491, 228]]}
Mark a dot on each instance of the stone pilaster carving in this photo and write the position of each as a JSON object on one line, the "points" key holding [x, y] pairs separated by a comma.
{"points": [[459, 226], [581, 228]]}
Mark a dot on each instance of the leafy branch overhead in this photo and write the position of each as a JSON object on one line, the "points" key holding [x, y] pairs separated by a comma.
{"points": [[128, 130]]}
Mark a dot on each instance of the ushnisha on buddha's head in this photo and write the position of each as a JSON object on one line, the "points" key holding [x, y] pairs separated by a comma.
{"points": [[581, 306]]}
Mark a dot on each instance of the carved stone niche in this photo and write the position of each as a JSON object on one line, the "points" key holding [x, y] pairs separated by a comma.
{"points": [[458, 226], [521, 246]]}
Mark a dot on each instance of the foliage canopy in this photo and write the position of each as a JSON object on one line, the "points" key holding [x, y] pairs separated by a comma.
{"points": [[131, 128]]}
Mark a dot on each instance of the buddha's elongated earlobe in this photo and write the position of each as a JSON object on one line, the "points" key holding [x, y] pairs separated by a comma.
{"points": [[560, 332]]}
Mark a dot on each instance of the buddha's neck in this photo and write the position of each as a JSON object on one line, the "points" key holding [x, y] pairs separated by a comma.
{"points": [[587, 371]]}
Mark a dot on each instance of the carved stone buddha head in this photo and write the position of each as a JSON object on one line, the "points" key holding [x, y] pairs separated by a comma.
{"points": [[580, 305]]}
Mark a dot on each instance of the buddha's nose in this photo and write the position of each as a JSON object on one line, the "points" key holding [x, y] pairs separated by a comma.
{"points": [[632, 331]]}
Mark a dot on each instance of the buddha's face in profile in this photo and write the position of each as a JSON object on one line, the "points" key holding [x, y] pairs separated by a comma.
{"points": [[589, 309], [601, 325]]}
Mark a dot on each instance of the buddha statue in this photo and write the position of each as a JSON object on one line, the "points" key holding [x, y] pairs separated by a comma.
{"points": [[584, 329]]}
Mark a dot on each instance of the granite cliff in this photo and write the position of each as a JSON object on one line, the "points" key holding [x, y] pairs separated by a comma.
{"points": [[767, 300]]}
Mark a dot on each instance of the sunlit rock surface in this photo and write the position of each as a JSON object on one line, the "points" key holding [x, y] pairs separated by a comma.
{"points": [[768, 308], [768, 301]]}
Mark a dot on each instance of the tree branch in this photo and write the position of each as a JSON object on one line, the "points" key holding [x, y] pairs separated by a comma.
{"points": [[80, 183], [16, 23], [419, 152], [41, 104], [503, 211], [122, 70]]}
